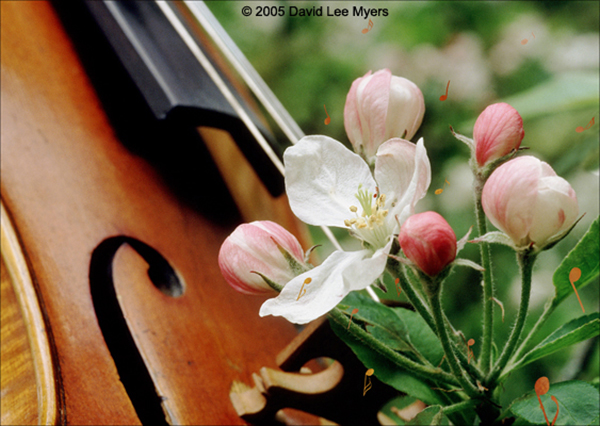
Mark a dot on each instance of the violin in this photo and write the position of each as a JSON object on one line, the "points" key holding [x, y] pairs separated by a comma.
{"points": [[122, 173]]}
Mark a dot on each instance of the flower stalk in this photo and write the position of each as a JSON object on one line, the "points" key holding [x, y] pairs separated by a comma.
{"points": [[469, 388], [526, 260], [485, 360]]}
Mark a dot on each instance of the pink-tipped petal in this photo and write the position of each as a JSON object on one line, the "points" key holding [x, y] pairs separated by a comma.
{"points": [[429, 241], [527, 201], [253, 247], [498, 130]]}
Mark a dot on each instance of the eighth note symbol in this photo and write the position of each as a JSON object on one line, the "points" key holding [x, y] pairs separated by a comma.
{"points": [[542, 386], [368, 385], [366, 30], [580, 129], [300, 293], [444, 97], [354, 311], [470, 343], [440, 190], [524, 41], [328, 119], [574, 275], [398, 288]]}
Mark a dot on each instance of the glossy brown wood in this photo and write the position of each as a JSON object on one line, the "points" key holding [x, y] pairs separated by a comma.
{"points": [[19, 399], [68, 184]]}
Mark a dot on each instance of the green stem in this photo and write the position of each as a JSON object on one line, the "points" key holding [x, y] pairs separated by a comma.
{"points": [[413, 297], [541, 320], [471, 367], [433, 374], [458, 407], [488, 284], [526, 261], [457, 370]]}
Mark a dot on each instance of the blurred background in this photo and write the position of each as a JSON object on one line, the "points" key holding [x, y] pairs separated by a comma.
{"points": [[541, 57]]}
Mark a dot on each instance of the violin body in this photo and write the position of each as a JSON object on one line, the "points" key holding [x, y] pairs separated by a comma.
{"points": [[69, 183]]}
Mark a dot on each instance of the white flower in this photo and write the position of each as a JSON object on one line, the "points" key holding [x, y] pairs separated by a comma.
{"points": [[327, 184]]}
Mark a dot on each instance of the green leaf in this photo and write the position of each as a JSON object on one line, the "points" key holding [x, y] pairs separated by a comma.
{"points": [[583, 256], [430, 416], [386, 371], [574, 331], [421, 336], [568, 91], [383, 324], [577, 401]]}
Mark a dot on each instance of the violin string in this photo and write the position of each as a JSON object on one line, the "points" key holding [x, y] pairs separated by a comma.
{"points": [[214, 75], [251, 77], [245, 69]]}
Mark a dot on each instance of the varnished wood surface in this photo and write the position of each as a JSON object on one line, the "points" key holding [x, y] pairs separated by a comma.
{"points": [[18, 384], [68, 184], [28, 386]]}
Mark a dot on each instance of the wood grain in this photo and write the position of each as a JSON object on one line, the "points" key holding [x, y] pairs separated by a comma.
{"points": [[69, 183]]}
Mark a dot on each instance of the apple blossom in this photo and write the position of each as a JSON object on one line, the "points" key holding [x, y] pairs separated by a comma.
{"points": [[329, 185], [260, 248], [379, 107], [527, 201], [429, 241], [498, 130]]}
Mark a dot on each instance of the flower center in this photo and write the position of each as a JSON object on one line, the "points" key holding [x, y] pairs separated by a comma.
{"points": [[370, 226]]}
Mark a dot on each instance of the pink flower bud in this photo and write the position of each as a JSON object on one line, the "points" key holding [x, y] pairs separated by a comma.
{"points": [[380, 107], [253, 247], [498, 130], [526, 200], [429, 241]]}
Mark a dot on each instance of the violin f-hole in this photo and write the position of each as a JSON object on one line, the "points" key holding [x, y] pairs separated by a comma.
{"points": [[120, 342]]}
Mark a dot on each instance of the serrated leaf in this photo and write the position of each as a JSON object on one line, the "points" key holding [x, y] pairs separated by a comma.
{"points": [[578, 404], [430, 416], [574, 331], [585, 256]]}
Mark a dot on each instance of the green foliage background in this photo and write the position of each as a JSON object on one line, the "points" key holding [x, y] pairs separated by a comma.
{"points": [[552, 80]]}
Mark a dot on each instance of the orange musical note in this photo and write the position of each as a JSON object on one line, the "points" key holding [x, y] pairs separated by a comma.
{"points": [[300, 293], [398, 288], [366, 30], [328, 119], [369, 385], [574, 275], [580, 129], [444, 97], [524, 41], [354, 311], [440, 190], [542, 386], [470, 343]]}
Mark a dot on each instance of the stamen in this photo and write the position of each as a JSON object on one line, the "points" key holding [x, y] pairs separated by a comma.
{"points": [[353, 209]]}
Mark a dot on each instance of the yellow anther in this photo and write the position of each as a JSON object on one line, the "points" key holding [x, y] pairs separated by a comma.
{"points": [[347, 222], [353, 209]]}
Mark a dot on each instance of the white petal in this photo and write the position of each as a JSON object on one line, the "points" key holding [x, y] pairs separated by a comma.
{"points": [[404, 175], [555, 209], [330, 283], [322, 177], [364, 272]]}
